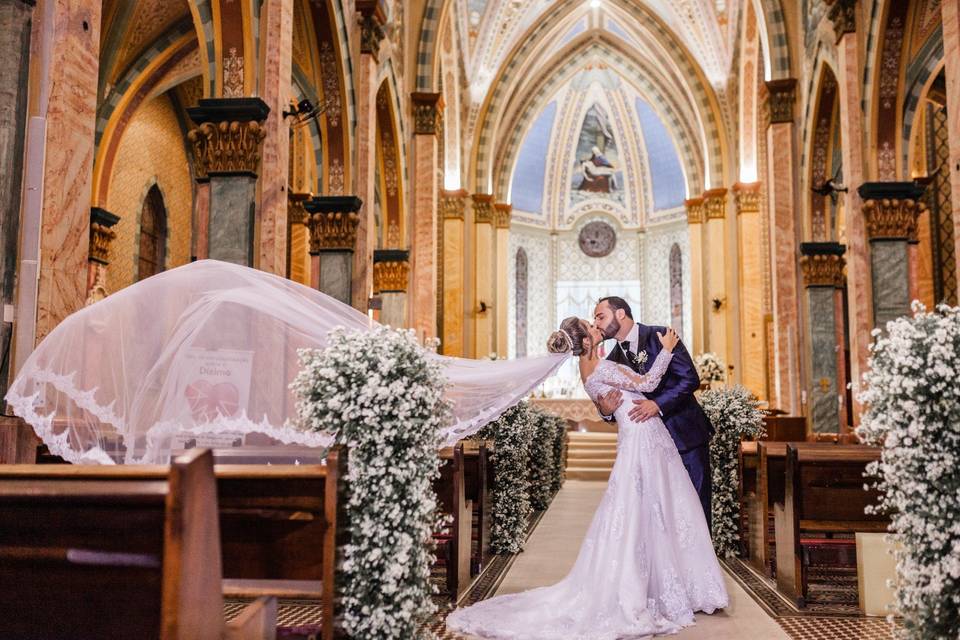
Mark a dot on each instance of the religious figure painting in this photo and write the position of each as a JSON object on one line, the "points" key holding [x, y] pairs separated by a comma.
{"points": [[597, 169]]}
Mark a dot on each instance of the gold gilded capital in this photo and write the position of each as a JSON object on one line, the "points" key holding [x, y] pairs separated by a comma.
{"points": [[695, 212], [296, 213], [782, 95], [715, 203], [822, 270], [501, 215], [427, 113], [746, 196], [390, 276], [226, 148], [482, 208], [101, 234], [453, 204], [891, 218], [334, 231]]}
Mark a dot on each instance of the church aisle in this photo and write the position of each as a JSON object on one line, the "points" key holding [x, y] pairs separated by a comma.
{"points": [[552, 549]]}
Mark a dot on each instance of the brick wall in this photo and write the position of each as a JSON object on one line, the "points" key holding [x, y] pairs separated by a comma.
{"points": [[151, 152]]}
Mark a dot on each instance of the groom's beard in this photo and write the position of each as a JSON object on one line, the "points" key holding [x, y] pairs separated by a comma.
{"points": [[612, 329]]}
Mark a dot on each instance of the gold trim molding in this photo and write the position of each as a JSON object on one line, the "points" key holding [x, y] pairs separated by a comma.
{"points": [[501, 215], [482, 208], [715, 203], [695, 212], [746, 197]]}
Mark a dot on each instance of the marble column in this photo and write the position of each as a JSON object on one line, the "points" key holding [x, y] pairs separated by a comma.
{"points": [[101, 235], [226, 147], [890, 211], [333, 226], [501, 223], [371, 19], [715, 208], [427, 127], [950, 11], [781, 191], [391, 275], [484, 252], [752, 264], [695, 227], [64, 70], [822, 266], [15, 17], [851, 123], [453, 206], [276, 18]]}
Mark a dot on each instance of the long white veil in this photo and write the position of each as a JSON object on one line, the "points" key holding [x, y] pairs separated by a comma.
{"points": [[203, 355]]}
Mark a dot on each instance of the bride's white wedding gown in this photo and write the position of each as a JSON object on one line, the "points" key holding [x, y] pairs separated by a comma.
{"points": [[647, 562]]}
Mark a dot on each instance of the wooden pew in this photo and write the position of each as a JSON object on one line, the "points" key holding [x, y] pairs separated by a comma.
{"points": [[823, 495], [454, 546], [85, 555], [784, 428], [477, 470], [281, 526]]}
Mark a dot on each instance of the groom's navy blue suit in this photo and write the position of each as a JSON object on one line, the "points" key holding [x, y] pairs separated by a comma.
{"points": [[682, 414]]}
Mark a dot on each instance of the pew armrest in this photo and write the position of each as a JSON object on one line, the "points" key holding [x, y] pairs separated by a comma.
{"points": [[257, 621], [297, 589]]}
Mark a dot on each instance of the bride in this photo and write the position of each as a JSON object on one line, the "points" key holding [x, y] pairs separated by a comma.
{"points": [[647, 562]]}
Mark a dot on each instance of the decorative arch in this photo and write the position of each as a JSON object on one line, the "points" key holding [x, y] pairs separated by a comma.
{"points": [[822, 209], [567, 63], [427, 53], [139, 86], [393, 233], [688, 74], [887, 115]]}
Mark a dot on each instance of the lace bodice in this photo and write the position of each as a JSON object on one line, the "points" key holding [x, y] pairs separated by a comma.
{"points": [[609, 374]]}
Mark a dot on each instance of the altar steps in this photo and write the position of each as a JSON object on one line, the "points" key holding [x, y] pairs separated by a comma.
{"points": [[590, 455]]}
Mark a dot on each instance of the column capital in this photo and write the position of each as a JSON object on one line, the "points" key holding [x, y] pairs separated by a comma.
{"points": [[715, 203], [482, 208], [453, 204], [372, 18], [227, 138], [296, 212], [781, 96], [891, 209], [427, 112], [746, 195], [101, 234], [501, 215], [391, 270], [695, 212], [843, 15], [333, 222], [822, 264]]}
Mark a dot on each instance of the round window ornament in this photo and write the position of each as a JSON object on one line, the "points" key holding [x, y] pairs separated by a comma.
{"points": [[598, 239]]}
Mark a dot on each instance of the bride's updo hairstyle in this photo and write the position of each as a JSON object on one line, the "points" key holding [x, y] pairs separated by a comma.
{"points": [[570, 337]]}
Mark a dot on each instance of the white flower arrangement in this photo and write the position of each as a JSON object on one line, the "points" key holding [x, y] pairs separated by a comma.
{"points": [[512, 435], [546, 460], [710, 367], [913, 411], [383, 399], [735, 414]]}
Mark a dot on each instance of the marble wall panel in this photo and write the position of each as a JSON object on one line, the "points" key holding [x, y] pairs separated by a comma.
{"points": [[335, 274], [231, 218], [823, 398], [890, 267]]}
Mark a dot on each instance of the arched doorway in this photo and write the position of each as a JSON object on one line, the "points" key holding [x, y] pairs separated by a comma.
{"points": [[152, 245]]}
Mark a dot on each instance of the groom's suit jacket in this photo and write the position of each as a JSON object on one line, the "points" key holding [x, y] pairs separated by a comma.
{"points": [[682, 414]]}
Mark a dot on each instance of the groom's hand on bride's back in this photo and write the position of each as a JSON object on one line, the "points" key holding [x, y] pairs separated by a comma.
{"points": [[609, 402]]}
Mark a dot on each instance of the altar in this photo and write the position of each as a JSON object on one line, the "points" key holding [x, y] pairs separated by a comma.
{"points": [[579, 411]]}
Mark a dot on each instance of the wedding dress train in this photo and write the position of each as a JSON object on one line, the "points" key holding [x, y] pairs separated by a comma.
{"points": [[647, 562]]}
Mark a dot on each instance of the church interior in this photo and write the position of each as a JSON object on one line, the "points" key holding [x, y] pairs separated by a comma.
{"points": [[775, 179]]}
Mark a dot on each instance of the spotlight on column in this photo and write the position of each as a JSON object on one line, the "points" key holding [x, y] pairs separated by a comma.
{"points": [[302, 112], [830, 187]]}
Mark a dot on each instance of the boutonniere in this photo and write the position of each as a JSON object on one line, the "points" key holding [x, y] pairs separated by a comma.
{"points": [[640, 359]]}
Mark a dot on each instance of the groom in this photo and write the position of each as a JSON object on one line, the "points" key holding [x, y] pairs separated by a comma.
{"points": [[637, 347]]}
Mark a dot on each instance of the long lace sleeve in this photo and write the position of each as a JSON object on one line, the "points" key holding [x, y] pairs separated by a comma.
{"points": [[630, 381]]}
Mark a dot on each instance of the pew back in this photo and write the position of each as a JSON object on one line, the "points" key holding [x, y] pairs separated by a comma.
{"points": [[115, 558]]}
